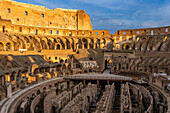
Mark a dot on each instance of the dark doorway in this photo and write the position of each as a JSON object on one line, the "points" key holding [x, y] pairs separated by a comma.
{"points": [[127, 47], [58, 47], [106, 64]]}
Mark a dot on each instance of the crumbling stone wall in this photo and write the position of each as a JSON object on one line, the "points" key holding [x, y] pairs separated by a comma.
{"points": [[125, 105], [56, 103], [80, 104], [105, 105]]}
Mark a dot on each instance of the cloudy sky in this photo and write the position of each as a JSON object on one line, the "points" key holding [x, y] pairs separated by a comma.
{"points": [[114, 15]]}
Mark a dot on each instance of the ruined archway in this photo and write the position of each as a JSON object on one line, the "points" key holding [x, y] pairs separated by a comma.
{"points": [[68, 44], [79, 44], [85, 43], [91, 43], [8, 46], [44, 45], [50, 44], [58, 47]]}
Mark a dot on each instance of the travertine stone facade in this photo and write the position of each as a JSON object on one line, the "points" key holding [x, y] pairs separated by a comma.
{"points": [[33, 15], [40, 48]]}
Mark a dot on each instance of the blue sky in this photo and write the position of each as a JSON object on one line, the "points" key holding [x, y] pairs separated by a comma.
{"points": [[115, 15]]}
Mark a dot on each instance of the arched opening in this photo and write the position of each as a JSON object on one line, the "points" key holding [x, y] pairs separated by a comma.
{"points": [[53, 109], [26, 13], [42, 70], [47, 69], [44, 89], [50, 44], [36, 71], [115, 68], [9, 10], [97, 44], [61, 61], [1, 46], [42, 15], [88, 99], [91, 44], [38, 92], [50, 86], [84, 43], [44, 45], [8, 46], [36, 43], [79, 44], [127, 47], [68, 44], [36, 32], [58, 47]]}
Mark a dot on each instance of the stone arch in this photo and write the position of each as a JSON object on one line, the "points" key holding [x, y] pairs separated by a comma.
{"points": [[42, 70], [61, 61], [16, 46], [58, 46], [50, 44], [85, 43], [50, 86], [38, 92], [127, 47], [91, 44], [44, 89], [43, 44], [79, 44], [36, 43], [8, 46], [68, 44], [36, 71], [19, 41], [97, 44], [47, 69], [61, 42], [1, 46], [29, 44]]}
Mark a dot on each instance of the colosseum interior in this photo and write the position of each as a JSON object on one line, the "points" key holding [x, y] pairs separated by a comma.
{"points": [[52, 61]]}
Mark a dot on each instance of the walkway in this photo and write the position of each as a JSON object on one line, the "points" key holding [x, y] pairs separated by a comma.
{"points": [[96, 76]]}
